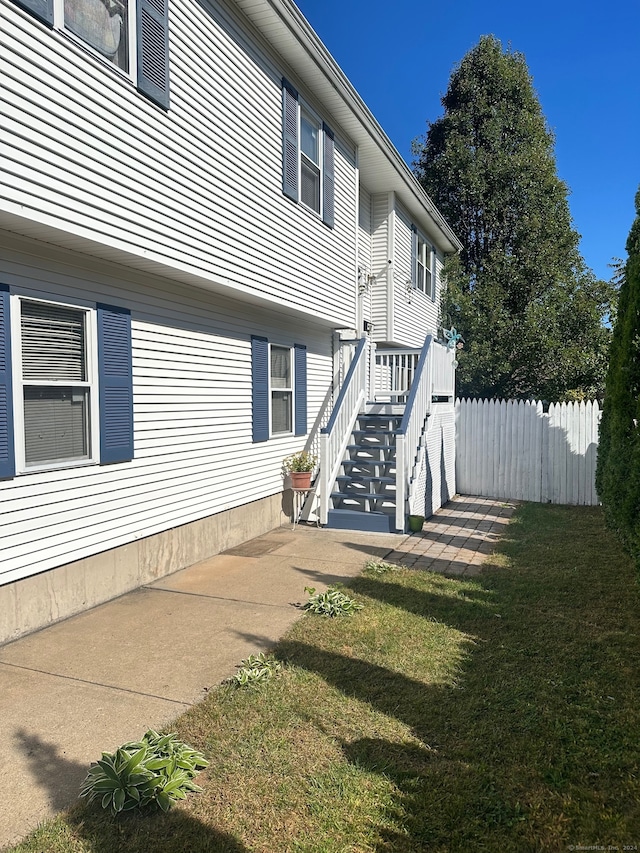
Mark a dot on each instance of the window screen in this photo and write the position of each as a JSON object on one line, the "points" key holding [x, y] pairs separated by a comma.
{"points": [[102, 24], [309, 161], [281, 390], [55, 388]]}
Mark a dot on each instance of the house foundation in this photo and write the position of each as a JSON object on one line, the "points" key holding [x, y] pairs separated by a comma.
{"points": [[34, 602]]}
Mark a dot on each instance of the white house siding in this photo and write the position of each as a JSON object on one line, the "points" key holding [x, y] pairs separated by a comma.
{"points": [[364, 254], [415, 313], [194, 454], [198, 188], [380, 257]]}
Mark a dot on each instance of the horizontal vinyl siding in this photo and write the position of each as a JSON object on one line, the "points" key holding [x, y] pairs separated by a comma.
{"points": [[416, 318], [194, 454], [380, 263], [364, 251], [199, 187]]}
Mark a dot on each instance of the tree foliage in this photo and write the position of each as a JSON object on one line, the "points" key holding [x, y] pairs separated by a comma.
{"points": [[618, 471], [530, 312]]}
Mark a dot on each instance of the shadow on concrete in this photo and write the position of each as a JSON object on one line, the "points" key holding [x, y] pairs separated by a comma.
{"points": [[137, 832], [50, 770]]}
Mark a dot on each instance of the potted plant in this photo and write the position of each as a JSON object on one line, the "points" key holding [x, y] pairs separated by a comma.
{"points": [[299, 466]]}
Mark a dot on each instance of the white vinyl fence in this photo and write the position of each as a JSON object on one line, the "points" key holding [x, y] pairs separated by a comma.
{"points": [[514, 450]]}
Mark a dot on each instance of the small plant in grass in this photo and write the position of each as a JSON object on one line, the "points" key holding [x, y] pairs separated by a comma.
{"points": [[330, 603], [256, 669], [379, 567], [157, 769]]}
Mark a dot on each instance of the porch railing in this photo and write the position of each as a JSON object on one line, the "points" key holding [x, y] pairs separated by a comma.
{"points": [[335, 436], [394, 373]]}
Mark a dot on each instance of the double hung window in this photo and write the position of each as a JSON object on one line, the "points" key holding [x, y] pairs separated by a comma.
{"points": [[423, 265], [308, 157], [279, 389], [66, 384], [56, 371], [281, 379]]}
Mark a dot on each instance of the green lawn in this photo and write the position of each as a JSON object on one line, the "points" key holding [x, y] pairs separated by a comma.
{"points": [[495, 714]]}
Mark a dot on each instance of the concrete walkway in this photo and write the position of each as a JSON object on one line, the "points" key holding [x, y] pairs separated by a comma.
{"points": [[103, 677]]}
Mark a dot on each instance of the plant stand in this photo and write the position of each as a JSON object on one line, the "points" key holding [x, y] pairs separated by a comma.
{"points": [[299, 500]]}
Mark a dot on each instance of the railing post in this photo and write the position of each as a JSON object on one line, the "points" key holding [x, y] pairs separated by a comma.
{"points": [[324, 478], [401, 485], [371, 373]]}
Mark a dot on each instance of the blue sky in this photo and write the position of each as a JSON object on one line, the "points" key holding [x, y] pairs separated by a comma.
{"points": [[585, 62]]}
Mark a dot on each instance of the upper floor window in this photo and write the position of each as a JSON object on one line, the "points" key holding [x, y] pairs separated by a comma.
{"points": [[308, 157], [423, 264], [133, 35], [102, 24]]}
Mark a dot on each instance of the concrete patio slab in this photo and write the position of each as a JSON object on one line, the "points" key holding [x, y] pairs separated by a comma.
{"points": [[103, 677]]}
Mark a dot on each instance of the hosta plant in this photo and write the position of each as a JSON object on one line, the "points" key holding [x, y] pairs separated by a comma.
{"points": [[379, 567], [256, 669], [158, 769], [330, 603]]}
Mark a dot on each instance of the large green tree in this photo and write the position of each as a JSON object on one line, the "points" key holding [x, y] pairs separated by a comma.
{"points": [[530, 312], [618, 471]]}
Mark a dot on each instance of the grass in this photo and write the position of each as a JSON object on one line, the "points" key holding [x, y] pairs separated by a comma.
{"points": [[498, 713]]}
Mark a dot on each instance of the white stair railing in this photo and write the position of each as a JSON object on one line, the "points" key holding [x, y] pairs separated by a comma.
{"points": [[335, 436], [395, 369], [409, 436]]}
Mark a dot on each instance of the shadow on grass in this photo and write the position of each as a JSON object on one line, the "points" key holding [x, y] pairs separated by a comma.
{"points": [[535, 746], [153, 832], [99, 831]]}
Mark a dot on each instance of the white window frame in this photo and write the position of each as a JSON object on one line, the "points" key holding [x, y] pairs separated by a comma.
{"points": [[91, 356], [131, 72], [290, 389], [304, 107], [425, 257]]}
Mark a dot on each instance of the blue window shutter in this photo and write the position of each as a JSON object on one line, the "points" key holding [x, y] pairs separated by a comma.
{"points": [[152, 34], [41, 9], [414, 256], [115, 384], [7, 454], [260, 387], [289, 140], [328, 177], [300, 366]]}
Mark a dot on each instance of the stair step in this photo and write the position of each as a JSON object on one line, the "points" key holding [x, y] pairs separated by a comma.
{"points": [[383, 433], [371, 447], [364, 500], [366, 478], [369, 462], [371, 522]]}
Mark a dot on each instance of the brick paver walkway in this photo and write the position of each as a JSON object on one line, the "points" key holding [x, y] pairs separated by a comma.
{"points": [[457, 539]]}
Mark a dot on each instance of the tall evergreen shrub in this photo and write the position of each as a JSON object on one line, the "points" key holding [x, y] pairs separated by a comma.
{"points": [[618, 470]]}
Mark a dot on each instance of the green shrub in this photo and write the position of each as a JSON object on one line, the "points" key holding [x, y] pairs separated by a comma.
{"points": [[330, 603], [256, 669], [158, 769], [618, 469]]}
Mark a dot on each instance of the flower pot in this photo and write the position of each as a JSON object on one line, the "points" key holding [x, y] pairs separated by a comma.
{"points": [[415, 523], [300, 479]]}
